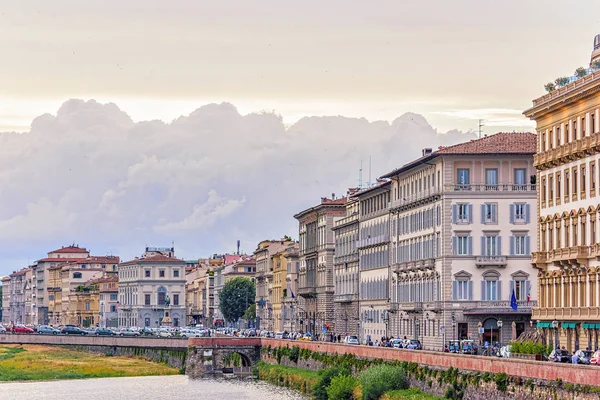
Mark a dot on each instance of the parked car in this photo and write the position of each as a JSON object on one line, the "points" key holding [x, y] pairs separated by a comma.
{"points": [[351, 339], [414, 344], [2, 329], [164, 333], [146, 331], [278, 335], [129, 332], [21, 329], [47, 330], [560, 356], [584, 356], [104, 332], [72, 330], [187, 333]]}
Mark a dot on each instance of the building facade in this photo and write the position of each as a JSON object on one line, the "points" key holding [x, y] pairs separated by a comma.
{"points": [[315, 279], [568, 249], [289, 301], [152, 289], [462, 230], [346, 270]]}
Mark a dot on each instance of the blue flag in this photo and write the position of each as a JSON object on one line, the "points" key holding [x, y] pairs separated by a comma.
{"points": [[293, 297], [513, 301]]}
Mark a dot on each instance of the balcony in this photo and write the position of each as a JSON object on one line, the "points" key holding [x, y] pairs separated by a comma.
{"points": [[346, 221], [348, 258], [539, 257], [307, 291], [490, 188], [567, 152], [413, 307], [490, 261], [345, 298], [565, 313], [372, 241], [422, 197], [506, 304], [576, 255], [418, 265]]}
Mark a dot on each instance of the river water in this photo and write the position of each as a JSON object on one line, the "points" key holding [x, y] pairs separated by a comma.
{"points": [[174, 387]]}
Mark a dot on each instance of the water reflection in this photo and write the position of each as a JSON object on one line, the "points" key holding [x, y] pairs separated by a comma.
{"points": [[176, 387]]}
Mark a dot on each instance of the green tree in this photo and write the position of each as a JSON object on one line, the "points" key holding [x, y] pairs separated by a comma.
{"points": [[250, 313], [580, 72], [237, 295], [562, 81], [550, 87]]}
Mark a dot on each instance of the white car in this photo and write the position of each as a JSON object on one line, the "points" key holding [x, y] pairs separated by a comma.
{"points": [[279, 335], [351, 339], [187, 333], [164, 333], [2, 329]]}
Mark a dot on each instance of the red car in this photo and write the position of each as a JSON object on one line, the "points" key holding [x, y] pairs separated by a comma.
{"points": [[21, 329]]}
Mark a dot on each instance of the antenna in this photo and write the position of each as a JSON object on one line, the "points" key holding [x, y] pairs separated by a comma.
{"points": [[481, 125], [369, 183], [360, 176]]}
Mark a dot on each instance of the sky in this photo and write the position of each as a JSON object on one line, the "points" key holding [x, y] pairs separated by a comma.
{"points": [[197, 122]]}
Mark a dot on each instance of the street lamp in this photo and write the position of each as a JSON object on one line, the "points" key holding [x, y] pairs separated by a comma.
{"points": [[499, 324], [453, 330], [555, 326]]}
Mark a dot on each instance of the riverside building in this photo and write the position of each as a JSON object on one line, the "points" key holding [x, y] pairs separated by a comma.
{"points": [[461, 234], [568, 249]]}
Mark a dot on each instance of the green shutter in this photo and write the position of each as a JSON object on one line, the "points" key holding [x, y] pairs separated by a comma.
{"points": [[543, 325], [569, 325], [597, 326], [585, 325]]}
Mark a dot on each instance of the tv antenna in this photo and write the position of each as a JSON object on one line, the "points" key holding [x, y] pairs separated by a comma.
{"points": [[360, 183], [481, 125]]}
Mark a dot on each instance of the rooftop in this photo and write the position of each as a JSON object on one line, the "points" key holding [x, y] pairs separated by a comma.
{"points": [[499, 143], [159, 258], [71, 249]]}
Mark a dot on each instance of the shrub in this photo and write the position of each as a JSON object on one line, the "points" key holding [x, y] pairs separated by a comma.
{"points": [[325, 377], [377, 380], [501, 380], [342, 387]]}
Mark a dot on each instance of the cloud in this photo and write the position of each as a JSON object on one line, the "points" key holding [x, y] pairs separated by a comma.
{"points": [[90, 174], [492, 116]]}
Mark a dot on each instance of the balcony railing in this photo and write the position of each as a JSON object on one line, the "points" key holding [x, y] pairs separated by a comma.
{"points": [[346, 258], [507, 304], [346, 220], [411, 307], [490, 188], [406, 200], [373, 240], [345, 298], [417, 265], [572, 150], [579, 254], [307, 291], [490, 261]]}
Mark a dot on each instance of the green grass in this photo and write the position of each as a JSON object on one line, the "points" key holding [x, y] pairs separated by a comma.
{"points": [[408, 394], [33, 362], [294, 378]]}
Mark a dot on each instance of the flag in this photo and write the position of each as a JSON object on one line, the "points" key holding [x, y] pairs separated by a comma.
{"points": [[513, 301], [293, 297], [528, 297]]}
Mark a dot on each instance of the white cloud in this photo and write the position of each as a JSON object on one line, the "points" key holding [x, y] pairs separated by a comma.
{"points": [[90, 174]]}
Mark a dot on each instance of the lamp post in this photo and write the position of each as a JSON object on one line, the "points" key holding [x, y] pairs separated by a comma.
{"points": [[453, 330], [555, 327], [499, 324]]}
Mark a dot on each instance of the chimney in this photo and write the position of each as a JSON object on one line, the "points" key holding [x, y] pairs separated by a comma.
{"points": [[427, 151], [238, 247], [332, 196]]}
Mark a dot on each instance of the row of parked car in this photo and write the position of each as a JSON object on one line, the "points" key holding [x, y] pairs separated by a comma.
{"points": [[167, 332]]}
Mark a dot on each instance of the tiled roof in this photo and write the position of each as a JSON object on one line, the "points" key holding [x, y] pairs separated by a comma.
{"points": [[380, 183], [102, 260], [61, 260], [159, 258], [71, 249], [500, 143], [340, 201]]}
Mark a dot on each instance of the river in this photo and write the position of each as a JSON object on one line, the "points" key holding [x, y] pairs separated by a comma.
{"points": [[174, 387]]}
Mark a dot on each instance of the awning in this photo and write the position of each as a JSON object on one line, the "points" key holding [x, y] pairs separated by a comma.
{"points": [[585, 325], [597, 326], [544, 325], [569, 325]]}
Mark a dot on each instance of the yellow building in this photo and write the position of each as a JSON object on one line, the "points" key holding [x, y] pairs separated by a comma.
{"points": [[279, 263], [568, 249], [55, 294], [84, 305]]}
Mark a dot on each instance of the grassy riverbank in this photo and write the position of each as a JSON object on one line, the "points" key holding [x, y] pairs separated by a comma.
{"points": [[34, 362], [308, 382]]}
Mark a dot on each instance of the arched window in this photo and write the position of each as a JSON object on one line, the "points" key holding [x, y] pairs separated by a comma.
{"points": [[162, 294]]}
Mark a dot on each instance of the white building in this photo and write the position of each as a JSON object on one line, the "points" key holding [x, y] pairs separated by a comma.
{"points": [[462, 228], [146, 286]]}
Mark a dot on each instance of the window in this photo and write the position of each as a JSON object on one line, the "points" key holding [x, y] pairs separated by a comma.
{"points": [[162, 295], [113, 308], [567, 185], [161, 273], [520, 176], [521, 287], [175, 299], [147, 273], [491, 245], [543, 190], [76, 275], [463, 176], [462, 213], [463, 245], [593, 177], [87, 305], [575, 181], [519, 245], [558, 187], [147, 299], [551, 188], [491, 287], [519, 213], [489, 213], [113, 296], [462, 287], [583, 178], [176, 273], [491, 176]]}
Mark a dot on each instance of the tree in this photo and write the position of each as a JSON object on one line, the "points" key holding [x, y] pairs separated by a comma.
{"points": [[596, 65], [550, 87], [250, 313], [237, 295], [580, 72], [562, 81]]}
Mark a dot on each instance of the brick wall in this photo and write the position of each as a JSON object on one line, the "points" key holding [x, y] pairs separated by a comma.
{"points": [[576, 374]]}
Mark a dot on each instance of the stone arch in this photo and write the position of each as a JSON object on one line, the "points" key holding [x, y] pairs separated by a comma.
{"points": [[228, 356]]}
